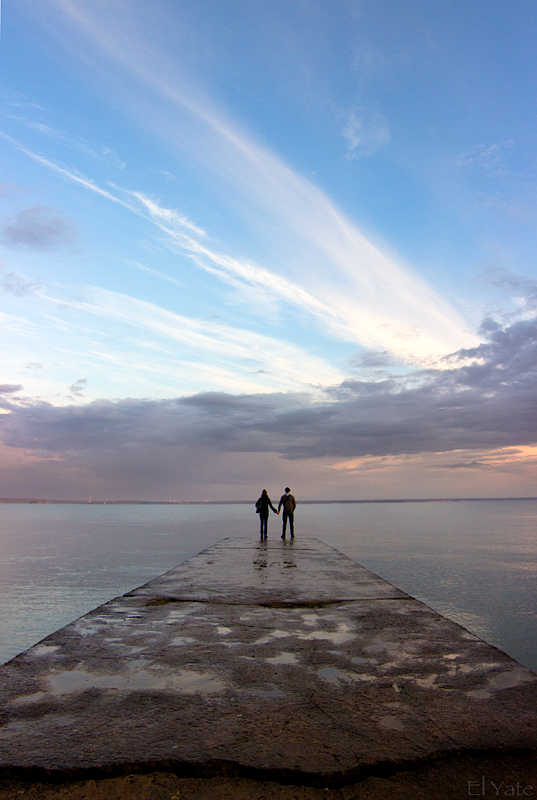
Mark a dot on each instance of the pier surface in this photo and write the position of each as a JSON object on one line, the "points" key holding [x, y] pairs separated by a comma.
{"points": [[279, 659]]}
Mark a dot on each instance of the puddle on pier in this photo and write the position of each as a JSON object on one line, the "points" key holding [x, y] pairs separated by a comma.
{"points": [[44, 649], [184, 681], [283, 658], [339, 636], [335, 675]]}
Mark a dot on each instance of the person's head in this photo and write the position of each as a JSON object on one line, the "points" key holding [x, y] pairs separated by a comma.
{"points": [[287, 489], [264, 491]]}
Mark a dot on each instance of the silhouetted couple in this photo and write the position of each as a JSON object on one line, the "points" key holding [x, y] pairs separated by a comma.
{"points": [[263, 505]]}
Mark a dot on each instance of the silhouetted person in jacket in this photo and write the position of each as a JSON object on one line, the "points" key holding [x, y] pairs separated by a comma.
{"points": [[262, 507], [289, 504]]}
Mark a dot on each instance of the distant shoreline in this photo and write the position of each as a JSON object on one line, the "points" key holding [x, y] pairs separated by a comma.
{"points": [[31, 501]]}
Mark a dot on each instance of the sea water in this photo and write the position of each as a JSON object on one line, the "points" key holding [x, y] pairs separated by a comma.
{"points": [[474, 562]]}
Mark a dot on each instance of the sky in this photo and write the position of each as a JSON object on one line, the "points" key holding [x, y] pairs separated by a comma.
{"points": [[246, 245]]}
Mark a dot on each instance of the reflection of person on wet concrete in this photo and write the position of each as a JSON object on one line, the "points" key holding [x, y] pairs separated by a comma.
{"points": [[262, 508], [289, 504]]}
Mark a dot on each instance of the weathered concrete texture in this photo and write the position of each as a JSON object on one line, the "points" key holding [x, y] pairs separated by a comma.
{"points": [[240, 571], [283, 657]]}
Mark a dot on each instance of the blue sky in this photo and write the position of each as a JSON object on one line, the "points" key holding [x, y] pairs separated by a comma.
{"points": [[252, 242]]}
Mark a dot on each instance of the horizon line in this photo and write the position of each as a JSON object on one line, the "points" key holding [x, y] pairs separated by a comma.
{"points": [[45, 501]]}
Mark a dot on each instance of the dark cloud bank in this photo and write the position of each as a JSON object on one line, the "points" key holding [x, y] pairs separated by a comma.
{"points": [[486, 398]]}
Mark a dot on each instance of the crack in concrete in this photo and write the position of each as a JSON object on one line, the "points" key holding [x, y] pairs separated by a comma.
{"points": [[290, 604], [213, 768]]}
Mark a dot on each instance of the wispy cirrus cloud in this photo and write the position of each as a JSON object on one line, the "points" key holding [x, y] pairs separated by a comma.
{"points": [[365, 133], [173, 224], [18, 285], [95, 151], [514, 287], [370, 293], [170, 219], [156, 272], [341, 313], [175, 354], [488, 158], [70, 175], [246, 357]]}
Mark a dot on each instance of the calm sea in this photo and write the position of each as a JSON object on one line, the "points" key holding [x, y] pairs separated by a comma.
{"points": [[474, 562]]}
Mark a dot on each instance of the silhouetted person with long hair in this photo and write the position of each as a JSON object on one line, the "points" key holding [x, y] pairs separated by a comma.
{"points": [[262, 508], [289, 504]]}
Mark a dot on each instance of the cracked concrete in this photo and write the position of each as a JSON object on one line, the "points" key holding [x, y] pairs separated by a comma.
{"points": [[284, 659]]}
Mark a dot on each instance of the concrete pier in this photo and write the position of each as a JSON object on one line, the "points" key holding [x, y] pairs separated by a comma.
{"points": [[284, 661]]}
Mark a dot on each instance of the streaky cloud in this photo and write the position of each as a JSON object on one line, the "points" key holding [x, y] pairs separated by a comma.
{"points": [[70, 175], [382, 302], [160, 214], [365, 134], [152, 271], [18, 285], [211, 352], [207, 258], [103, 153]]}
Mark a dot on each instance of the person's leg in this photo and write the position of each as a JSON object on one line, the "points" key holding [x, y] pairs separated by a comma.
{"points": [[284, 524], [292, 524], [265, 527], [261, 526]]}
